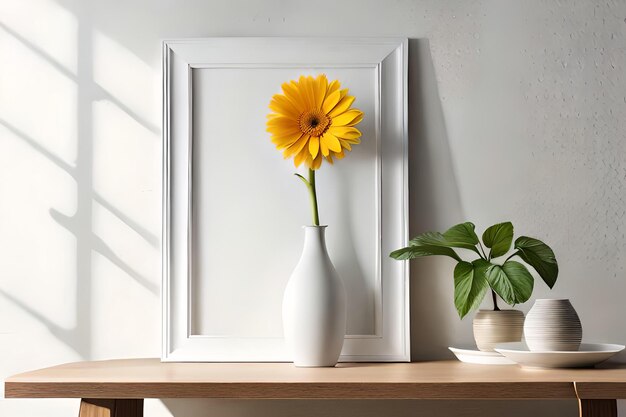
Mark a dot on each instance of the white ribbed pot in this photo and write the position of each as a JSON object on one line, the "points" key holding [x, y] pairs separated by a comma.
{"points": [[314, 305], [552, 324], [494, 327]]}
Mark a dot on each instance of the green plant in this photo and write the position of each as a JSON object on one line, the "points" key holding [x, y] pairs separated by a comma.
{"points": [[511, 280]]}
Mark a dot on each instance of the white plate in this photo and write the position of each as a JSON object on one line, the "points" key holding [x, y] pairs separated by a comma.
{"points": [[588, 355], [480, 357]]}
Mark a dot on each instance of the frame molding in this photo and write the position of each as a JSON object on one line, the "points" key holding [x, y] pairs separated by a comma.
{"points": [[180, 57]]}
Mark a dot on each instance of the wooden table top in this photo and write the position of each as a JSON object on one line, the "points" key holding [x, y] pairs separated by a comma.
{"points": [[150, 378]]}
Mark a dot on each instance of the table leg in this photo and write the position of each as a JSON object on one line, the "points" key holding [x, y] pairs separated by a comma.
{"points": [[597, 408], [95, 407]]}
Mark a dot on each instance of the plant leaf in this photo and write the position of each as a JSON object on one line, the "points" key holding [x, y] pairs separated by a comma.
{"points": [[435, 243], [417, 251], [429, 238], [462, 236], [481, 266], [538, 255], [498, 238], [470, 286], [511, 281]]}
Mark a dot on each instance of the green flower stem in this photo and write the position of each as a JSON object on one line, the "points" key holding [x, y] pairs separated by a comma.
{"points": [[310, 185], [313, 193]]}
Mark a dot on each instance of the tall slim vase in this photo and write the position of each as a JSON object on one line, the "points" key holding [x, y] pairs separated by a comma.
{"points": [[314, 305]]}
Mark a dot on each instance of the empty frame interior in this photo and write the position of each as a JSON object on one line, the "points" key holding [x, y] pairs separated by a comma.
{"points": [[248, 207]]}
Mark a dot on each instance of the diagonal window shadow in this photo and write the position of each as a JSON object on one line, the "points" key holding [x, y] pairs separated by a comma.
{"points": [[73, 338], [100, 92], [79, 224], [101, 247]]}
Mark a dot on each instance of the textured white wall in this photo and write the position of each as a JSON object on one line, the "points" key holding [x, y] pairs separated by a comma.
{"points": [[517, 112]]}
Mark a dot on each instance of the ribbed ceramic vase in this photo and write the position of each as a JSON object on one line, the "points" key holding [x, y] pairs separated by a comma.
{"points": [[493, 327], [552, 325], [314, 305]]}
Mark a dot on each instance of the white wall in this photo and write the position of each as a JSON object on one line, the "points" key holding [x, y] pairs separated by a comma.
{"points": [[517, 112]]}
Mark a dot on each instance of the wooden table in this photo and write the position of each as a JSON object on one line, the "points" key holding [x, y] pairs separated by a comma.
{"points": [[116, 388]]}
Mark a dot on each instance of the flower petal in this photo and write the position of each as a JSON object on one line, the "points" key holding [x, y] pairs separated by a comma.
{"points": [[301, 157], [284, 131], [331, 101], [346, 132], [282, 122], [343, 105], [321, 85], [282, 105], [308, 161], [296, 147], [334, 85], [294, 94], [353, 141], [312, 91], [284, 135], [317, 162], [285, 141], [357, 120], [347, 118], [324, 147], [314, 146], [345, 144], [307, 91], [331, 142]]}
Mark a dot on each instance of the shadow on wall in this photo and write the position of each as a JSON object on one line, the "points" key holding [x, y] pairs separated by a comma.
{"points": [[81, 169], [434, 204]]}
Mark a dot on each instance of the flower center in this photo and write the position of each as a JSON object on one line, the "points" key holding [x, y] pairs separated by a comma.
{"points": [[314, 122]]}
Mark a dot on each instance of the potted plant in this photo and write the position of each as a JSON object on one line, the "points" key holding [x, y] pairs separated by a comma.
{"points": [[508, 279]]}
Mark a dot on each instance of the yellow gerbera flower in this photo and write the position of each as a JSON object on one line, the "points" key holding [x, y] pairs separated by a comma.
{"points": [[313, 120]]}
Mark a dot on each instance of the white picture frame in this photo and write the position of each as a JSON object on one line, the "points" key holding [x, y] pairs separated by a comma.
{"points": [[210, 301]]}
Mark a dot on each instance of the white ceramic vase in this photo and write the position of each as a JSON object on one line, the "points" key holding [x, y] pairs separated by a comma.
{"points": [[314, 305], [552, 324], [492, 327]]}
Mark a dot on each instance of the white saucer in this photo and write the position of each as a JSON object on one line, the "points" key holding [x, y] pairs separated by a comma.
{"points": [[480, 357], [588, 355]]}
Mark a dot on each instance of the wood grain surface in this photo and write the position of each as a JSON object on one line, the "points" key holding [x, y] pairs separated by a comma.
{"points": [[149, 378]]}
